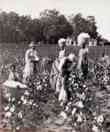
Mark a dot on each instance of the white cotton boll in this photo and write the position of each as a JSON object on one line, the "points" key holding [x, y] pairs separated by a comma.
{"points": [[100, 119], [8, 114], [24, 101], [22, 98], [26, 93], [80, 104], [69, 103], [95, 128], [79, 118], [7, 95], [39, 87], [19, 102], [18, 128], [84, 86], [9, 99], [73, 111], [46, 85], [73, 130], [6, 108], [30, 102], [20, 115], [81, 96], [13, 99], [63, 114], [34, 104], [38, 83], [12, 109]]}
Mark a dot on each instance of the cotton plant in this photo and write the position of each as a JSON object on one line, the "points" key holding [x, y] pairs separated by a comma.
{"points": [[25, 109], [81, 106], [102, 75]]}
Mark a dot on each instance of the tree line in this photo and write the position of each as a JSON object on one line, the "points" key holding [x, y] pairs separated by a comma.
{"points": [[48, 27]]}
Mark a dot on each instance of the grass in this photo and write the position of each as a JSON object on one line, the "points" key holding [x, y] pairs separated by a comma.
{"points": [[9, 52]]}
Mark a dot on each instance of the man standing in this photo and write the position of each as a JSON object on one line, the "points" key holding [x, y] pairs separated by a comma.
{"points": [[31, 59]]}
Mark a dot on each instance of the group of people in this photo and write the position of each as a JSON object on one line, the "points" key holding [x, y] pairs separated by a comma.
{"points": [[61, 67], [65, 64], [31, 61]]}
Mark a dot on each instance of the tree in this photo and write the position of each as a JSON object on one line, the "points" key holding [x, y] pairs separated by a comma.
{"points": [[55, 25], [81, 24]]}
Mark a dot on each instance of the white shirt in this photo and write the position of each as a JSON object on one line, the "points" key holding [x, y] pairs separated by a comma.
{"points": [[62, 54], [31, 55], [83, 51]]}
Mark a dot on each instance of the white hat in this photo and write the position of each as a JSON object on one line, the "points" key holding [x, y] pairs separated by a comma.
{"points": [[61, 42], [81, 38], [71, 57], [32, 44]]}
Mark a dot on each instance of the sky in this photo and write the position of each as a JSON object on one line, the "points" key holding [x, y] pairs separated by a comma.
{"points": [[98, 8]]}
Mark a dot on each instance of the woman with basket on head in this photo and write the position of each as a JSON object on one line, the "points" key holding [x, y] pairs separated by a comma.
{"points": [[83, 40], [55, 73]]}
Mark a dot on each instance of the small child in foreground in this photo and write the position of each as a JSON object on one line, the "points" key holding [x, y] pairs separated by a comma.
{"points": [[13, 81], [13, 75]]}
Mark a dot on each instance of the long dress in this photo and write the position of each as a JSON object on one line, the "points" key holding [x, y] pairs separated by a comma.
{"points": [[65, 68], [82, 52], [30, 56], [54, 75], [55, 78]]}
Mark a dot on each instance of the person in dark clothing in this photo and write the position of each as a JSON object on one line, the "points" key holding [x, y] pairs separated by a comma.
{"points": [[66, 69], [84, 67]]}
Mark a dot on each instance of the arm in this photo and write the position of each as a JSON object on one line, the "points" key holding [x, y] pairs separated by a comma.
{"points": [[27, 56], [61, 64], [36, 55]]}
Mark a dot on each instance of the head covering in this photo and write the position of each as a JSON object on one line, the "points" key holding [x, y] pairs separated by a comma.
{"points": [[61, 42], [71, 57], [82, 37], [32, 44]]}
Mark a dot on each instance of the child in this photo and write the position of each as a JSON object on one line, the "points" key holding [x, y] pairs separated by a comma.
{"points": [[13, 75], [13, 79]]}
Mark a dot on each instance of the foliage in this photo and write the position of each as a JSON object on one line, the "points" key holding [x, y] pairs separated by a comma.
{"points": [[55, 25], [81, 24], [49, 27], [29, 100]]}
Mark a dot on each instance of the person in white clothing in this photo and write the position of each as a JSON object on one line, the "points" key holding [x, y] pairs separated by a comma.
{"points": [[83, 41], [62, 46], [55, 79], [31, 58]]}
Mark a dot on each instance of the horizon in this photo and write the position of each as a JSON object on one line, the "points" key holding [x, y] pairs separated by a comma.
{"points": [[99, 9]]}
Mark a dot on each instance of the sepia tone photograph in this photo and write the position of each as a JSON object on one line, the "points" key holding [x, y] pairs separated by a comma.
{"points": [[54, 66]]}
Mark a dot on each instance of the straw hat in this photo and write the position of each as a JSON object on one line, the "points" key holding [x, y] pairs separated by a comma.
{"points": [[32, 44]]}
